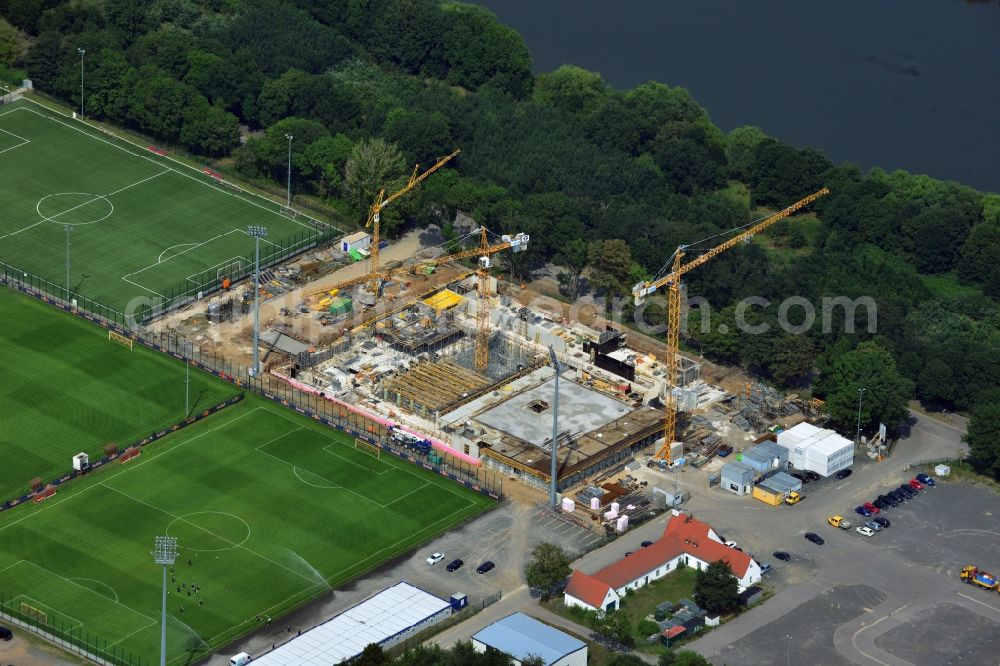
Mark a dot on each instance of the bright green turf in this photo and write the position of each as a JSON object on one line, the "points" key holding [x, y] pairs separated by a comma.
{"points": [[68, 389], [142, 224], [270, 506]]}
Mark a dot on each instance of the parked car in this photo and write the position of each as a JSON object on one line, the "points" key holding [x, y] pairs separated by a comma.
{"points": [[897, 495], [484, 567], [811, 475], [627, 553], [925, 479], [645, 544], [838, 521], [871, 507], [866, 531], [860, 510], [884, 522], [888, 501], [880, 505], [815, 538], [843, 474], [875, 526], [454, 565], [800, 476], [781, 555], [908, 491], [764, 568], [435, 558], [916, 485]]}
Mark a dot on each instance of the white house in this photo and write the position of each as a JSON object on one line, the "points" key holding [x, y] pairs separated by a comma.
{"points": [[684, 539], [816, 449]]}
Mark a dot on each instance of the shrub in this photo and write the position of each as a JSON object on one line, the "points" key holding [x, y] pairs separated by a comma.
{"points": [[110, 449], [36, 483], [648, 628]]}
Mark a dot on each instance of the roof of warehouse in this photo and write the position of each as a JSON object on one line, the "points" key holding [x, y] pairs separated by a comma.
{"points": [[737, 467], [388, 613], [521, 636], [818, 440]]}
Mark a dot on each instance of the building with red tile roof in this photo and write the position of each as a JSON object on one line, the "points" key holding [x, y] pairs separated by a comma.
{"points": [[684, 539]]}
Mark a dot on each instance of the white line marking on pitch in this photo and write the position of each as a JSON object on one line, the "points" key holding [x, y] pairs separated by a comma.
{"points": [[156, 175], [159, 259], [15, 136]]}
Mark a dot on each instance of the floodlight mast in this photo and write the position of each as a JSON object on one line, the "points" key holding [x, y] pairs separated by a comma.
{"points": [[257, 232], [553, 482], [288, 197], [81, 52], [164, 553]]}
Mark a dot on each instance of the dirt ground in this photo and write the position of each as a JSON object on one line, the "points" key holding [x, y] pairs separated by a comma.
{"points": [[26, 650]]}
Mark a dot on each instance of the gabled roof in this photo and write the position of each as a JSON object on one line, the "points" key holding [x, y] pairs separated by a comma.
{"points": [[521, 636], [587, 589], [683, 534]]}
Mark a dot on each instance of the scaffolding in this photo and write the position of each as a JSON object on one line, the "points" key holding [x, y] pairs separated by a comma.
{"points": [[508, 356]]}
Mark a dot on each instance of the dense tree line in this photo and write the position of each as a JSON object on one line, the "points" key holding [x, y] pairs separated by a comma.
{"points": [[370, 87]]}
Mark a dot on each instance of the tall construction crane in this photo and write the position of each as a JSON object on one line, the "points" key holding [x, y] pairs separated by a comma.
{"points": [[381, 201], [672, 281]]}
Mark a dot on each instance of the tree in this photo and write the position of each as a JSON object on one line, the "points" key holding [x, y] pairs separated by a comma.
{"points": [[716, 589], [793, 357], [372, 655], [372, 166], [983, 438], [209, 130], [610, 263], [573, 255], [11, 43], [871, 367], [615, 626], [626, 660], [741, 145], [571, 89], [682, 658], [548, 569]]}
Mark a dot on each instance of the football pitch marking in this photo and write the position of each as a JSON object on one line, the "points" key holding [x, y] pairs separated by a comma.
{"points": [[23, 140], [158, 163], [94, 580], [160, 258], [47, 218], [184, 519]]}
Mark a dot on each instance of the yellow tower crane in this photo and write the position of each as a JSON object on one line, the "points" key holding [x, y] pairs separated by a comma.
{"points": [[517, 243], [381, 201], [673, 283]]}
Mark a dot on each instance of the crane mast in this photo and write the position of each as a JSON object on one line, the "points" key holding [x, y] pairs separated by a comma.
{"points": [[672, 281]]}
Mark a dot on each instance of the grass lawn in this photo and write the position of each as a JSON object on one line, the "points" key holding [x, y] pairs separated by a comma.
{"points": [[639, 603], [948, 285], [140, 224], [69, 390], [270, 508]]}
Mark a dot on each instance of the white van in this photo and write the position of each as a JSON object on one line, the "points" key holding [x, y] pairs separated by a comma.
{"points": [[240, 659]]}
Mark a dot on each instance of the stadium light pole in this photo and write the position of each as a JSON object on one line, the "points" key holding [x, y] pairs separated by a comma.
{"points": [[165, 553], [82, 52], [553, 481], [861, 392], [257, 232], [68, 228], [288, 198]]}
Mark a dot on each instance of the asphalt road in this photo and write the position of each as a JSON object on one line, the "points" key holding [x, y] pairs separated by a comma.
{"points": [[867, 601]]}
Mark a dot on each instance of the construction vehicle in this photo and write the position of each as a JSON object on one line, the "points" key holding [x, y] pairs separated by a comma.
{"points": [[672, 281], [421, 446], [973, 576], [838, 521], [794, 498]]}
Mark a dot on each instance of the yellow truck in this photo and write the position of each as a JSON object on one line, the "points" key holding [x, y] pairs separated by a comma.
{"points": [[794, 498], [838, 521], [974, 576]]}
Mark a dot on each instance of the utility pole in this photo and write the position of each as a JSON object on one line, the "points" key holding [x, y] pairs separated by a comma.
{"points": [[187, 387], [165, 553], [68, 228], [857, 440], [81, 52], [288, 198], [257, 232]]}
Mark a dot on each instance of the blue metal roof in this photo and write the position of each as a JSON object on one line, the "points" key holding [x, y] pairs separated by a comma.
{"points": [[522, 636]]}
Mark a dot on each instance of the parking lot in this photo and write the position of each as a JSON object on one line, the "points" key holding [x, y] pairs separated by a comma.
{"points": [[893, 598]]}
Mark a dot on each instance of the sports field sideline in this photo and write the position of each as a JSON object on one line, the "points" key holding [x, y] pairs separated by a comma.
{"points": [[139, 224]]}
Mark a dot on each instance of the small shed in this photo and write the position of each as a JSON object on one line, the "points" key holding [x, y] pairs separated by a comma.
{"points": [[751, 595], [737, 477], [670, 636], [356, 241], [942, 470], [766, 456]]}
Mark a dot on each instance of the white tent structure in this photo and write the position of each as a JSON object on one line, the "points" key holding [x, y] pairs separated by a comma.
{"points": [[816, 449]]}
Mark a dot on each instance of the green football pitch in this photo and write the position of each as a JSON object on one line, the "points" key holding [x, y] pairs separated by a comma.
{"points": [[270, 508], [68, 389], [140, 225]]}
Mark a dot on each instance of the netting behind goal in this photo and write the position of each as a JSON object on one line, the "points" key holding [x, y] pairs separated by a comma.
{"points": [[368, 448], [232, 270]]}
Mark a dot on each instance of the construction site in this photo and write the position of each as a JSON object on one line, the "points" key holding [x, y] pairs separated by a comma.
{"points": [[461, 364]]}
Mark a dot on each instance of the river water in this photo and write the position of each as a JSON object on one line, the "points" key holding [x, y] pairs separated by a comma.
{"points": [[911, 84]]}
